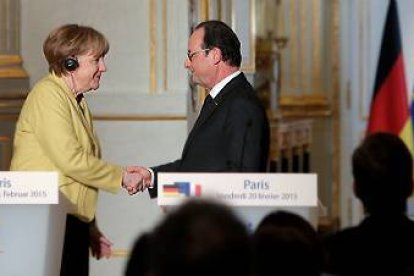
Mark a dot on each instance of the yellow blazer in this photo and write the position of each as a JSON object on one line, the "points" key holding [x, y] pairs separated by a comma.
{"points": [[55, 133]]}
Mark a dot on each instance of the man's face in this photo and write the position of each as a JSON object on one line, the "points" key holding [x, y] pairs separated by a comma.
{"points": [[198, 62]]}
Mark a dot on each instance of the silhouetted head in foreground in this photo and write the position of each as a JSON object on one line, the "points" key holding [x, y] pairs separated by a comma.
{"points": [[286, 244], [201, 238], [383, 174]]}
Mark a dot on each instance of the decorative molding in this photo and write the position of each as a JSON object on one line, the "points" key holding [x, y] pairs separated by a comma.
{"points": [[11, 67], [303, 106], [16, 104], [289, 59], [251, 66], [364, 35], [317, 100], [5, 150], [165, 42], [304, 57], [336, 175], [8, 117], [4, 139], [153, 117], [10, 108], [10, 59], [9, 26], [300, 113], [137, 103], [11, 103], [153, 45], [140, 118], [219, 10], [303, 76], [316, 42], [158, 43], [204, 10]]}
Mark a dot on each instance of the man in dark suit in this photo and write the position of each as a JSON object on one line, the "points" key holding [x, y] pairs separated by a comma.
{"points": [[231, 133], [382, 243]]}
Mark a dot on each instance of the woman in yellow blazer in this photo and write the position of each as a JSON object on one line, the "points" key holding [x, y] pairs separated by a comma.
{"points": [[55, 132]]}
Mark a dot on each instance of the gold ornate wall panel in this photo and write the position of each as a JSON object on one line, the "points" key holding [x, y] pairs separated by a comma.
{"points": [[297, 72], [14, 81], [335, 99], [9, 26], [153, 45], [294, 46], [10, 61], [158, 40], [5, 153], [300, 58], [162, 45], [11, 66]]}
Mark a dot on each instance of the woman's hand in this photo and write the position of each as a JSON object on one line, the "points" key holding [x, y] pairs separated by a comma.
{"points": [[99, 244]]}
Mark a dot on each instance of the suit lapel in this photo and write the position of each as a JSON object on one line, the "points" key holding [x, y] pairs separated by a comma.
{"points": [[224, 93], [86, 119], [202, 118]]}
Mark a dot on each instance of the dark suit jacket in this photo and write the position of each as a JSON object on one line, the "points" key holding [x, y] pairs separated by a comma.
{"points": [[378, 246], [233, 137]]}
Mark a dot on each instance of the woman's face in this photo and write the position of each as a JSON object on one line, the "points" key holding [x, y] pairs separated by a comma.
{"points": [[88, 75]]}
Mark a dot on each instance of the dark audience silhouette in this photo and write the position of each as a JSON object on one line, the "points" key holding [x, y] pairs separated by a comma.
{"points": [[139, 259], [382, 244], [201, 238], [286, 244]]}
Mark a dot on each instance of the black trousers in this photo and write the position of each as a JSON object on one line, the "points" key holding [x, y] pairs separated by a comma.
{"points": [[75, 256]]}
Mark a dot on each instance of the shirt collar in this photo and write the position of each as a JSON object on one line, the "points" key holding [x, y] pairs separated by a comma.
{"points": [[217, 88]]}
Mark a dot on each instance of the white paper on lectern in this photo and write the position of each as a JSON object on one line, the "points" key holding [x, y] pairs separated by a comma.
{"points": [[239, 189]]}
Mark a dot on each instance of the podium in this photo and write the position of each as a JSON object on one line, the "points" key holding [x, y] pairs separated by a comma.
{"points": [[251, 195], [31, 237]]}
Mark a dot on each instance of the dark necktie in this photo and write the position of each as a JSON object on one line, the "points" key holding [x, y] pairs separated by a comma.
{"points": [[208, 105], [206, 109]]}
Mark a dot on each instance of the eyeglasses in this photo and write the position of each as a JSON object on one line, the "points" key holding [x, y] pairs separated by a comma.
{"points": [[191, 55]]}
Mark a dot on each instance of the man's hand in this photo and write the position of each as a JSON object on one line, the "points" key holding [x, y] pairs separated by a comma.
{"points": [[132, 182], [144, 172]]}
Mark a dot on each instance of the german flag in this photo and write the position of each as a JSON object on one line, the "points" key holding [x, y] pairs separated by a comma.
{"points": [[390, 111], [178, 189]]}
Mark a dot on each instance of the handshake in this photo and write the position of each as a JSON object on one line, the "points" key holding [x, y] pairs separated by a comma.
{"points": [[136, 179]]}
